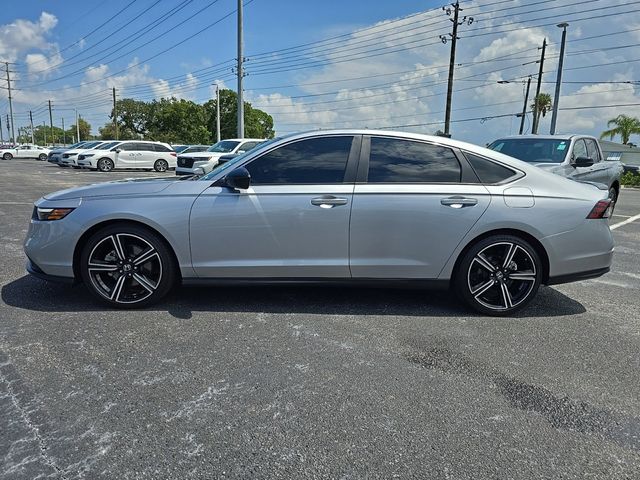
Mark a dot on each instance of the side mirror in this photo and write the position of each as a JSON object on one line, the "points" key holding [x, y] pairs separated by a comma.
{"points": [[583, 162], [239, 178], [240, 151], [117, 150], [198, 171]]}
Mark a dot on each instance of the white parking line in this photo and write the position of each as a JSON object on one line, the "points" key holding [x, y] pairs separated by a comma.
{"points": [[627, 221]]}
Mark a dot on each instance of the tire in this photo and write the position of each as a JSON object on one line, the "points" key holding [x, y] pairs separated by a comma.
{"points": [[485, 281], [613, 196], [7, 156], [161, 165], [141, 274], [105, 165], [42, 157]]}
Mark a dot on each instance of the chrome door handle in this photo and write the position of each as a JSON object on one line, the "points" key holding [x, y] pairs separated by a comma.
{"points": [[328, 201], [459, 202]]}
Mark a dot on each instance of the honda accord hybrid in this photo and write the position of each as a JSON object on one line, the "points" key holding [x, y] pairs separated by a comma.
{"points": [[354, 207]]}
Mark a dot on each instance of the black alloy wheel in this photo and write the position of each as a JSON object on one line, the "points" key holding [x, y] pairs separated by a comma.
{"points": [[161, 166], [127, 266], [7, 156], [499, 275]]}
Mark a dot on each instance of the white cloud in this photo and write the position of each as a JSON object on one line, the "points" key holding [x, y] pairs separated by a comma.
{"points": [[24, 35]]}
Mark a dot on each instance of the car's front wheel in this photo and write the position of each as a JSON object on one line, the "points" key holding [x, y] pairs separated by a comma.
{"points": [[42, 157], [127, 266], [105, 165], [7, 156], [499, 275], [161, 165]]}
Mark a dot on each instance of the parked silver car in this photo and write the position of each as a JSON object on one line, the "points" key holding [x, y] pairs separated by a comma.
{"points": [[578, 157], [346, 206]]}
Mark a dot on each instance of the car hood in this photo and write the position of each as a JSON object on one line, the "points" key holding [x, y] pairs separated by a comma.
{"points": [[202, 154], [142, 186]]}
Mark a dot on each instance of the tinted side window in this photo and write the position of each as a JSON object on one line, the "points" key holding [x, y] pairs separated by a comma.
{"points": [[488, 171], [161, 148], [248, 146], [128, 147], [395, 160], [580, 149], [592, 149], [316, 160]]}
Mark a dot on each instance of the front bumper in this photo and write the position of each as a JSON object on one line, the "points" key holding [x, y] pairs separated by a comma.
{"points": [[71, 161], [37, 272], [85, 163]]}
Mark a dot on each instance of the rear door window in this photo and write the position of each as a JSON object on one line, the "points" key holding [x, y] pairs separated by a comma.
{"points": [[488, 171], [396, 160]]}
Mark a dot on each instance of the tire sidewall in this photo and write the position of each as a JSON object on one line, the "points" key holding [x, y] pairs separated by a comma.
{"points": [[161, 162], [169, 267], [42, 157], [103, 161], [461, 283], [7, 156]]}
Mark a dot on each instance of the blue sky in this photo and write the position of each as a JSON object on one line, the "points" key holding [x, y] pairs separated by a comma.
{"points": [[377, 64]]}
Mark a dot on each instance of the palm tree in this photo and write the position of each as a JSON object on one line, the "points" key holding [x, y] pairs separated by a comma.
{"points": [[541, 105], [625, 126]]}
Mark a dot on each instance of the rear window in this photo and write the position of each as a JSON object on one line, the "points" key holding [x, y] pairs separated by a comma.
{"points": [[488, 171]]}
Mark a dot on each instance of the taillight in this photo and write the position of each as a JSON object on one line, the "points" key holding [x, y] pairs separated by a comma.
{"points": [[173, 154], [600, 209]]}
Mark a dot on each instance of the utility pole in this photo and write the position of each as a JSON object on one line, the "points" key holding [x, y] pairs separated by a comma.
{"points": [[217, 112], [31, 123], [524, 107], [115, 113], [64, 134], [1, 134], [556, 100], [536, 113], [51, 123], [77, 127], [240, 73], [452, 59], [44, 132], [13, 135]]}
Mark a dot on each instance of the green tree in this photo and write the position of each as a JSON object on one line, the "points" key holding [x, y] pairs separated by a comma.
{"points": [[542, 105], [134, 116], [108, 132], [176, 121], [85, 130], [257, 124], [625, 126]]}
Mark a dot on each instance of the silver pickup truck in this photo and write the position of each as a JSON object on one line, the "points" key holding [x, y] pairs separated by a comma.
{"points": [[578, 157]]}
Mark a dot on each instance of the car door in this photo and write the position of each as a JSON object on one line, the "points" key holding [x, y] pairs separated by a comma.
{"points": [[126, 156], [24, 151], [292, 222], [600, 172], [410, 208], [579, 173]]}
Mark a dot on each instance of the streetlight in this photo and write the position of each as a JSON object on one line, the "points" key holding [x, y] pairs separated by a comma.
{"points": [[556, 100]]}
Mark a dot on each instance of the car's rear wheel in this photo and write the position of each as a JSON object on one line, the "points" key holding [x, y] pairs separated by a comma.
{"points": [[7, 156], [499, 275], [42, 157], [127, 266], [161, 165], [105, 165]]}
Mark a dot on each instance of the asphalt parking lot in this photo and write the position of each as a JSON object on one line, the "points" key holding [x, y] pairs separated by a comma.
{"points": [[313, 383]]}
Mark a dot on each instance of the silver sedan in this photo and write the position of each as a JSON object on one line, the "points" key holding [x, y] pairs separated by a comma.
{"points": [[345, 206]]}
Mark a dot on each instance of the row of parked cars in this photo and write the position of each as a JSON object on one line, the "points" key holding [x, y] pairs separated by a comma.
{"points": [[108, 155]]}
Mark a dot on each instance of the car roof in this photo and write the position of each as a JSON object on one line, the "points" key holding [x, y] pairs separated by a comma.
{"points": [[243, 139], [567, 136]]}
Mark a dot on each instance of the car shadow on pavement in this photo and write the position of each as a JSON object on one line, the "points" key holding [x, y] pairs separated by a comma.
{"points": [[32, 294]]}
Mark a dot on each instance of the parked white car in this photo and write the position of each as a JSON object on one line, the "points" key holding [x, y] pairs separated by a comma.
{"points": [[25, 151], [137, 154], [70, 157], [188, 162]]}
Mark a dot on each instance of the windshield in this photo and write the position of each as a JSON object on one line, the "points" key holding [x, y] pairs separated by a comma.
{"points": [[90, 145], [533, 150], [231, 164], [225, 146], [76, 145], [108, 145], [180, 148]]}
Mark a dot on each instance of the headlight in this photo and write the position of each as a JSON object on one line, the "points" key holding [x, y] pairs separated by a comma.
{"points": [[52, 213], [87, 155]]}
